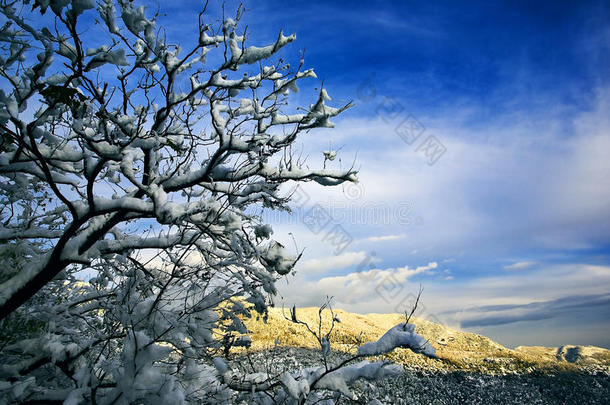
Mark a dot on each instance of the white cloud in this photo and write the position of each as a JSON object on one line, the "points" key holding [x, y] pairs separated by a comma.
{"points": [[467, 300], [553, 305], [519, 266], [383, 238], [519, 180], [365, 291], [326, 264]]}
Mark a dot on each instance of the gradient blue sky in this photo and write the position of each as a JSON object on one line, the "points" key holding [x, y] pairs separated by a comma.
{"points": [[509, 231]]}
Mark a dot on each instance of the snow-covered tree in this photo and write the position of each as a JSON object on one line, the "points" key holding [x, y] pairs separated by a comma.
{"points": [[100, 137], [127, 167]]}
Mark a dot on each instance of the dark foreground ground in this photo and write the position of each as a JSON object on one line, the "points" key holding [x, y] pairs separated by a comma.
{"points": [[467, 388], [436, 387]]}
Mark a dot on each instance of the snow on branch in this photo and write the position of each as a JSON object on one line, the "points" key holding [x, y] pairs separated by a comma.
{"points": [[338, 380], [400, 336]]}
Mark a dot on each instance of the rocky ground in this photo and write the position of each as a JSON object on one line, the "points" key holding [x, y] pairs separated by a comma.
{"points": [[459, 387], [441, 386]]}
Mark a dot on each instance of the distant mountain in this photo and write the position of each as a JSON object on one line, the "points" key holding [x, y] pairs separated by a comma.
{"points": [[456, 350]]}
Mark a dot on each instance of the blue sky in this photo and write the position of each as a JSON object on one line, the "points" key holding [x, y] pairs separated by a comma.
{"points": [[509, 230]]}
